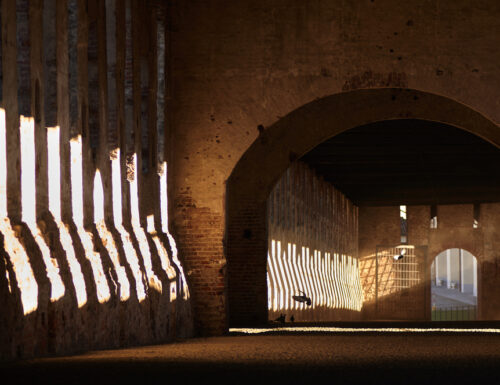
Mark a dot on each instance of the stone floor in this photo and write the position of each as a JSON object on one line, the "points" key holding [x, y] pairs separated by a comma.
{"points": [[282, 358]]}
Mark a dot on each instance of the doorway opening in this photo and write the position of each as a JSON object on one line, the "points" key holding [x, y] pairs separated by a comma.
{"points": [[454, 286]]}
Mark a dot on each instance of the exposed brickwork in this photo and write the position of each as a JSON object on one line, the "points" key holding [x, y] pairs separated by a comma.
{"points": [[418, 224], [199, 232], [67, 283], [454, 230], [252, 86]]}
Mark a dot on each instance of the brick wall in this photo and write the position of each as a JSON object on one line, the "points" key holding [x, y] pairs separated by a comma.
{"points": [[87, 260], [379, 231]]}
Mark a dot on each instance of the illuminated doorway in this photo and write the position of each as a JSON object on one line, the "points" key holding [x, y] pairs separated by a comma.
{"points": [[454, 286]]}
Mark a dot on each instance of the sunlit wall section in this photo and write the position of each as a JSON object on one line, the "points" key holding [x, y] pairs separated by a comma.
{"points": [[3, 166], [123, 285], [183, 289], [153, 281], [94, 258], [312, 253], [128, 247], [15, 251], [28, 183], [54, 184]]}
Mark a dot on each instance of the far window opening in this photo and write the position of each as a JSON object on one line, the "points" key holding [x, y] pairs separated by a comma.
{"points": [[403, 223], [477, 214], [434, 218]]}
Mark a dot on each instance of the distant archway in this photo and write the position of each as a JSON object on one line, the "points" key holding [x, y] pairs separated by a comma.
{"points": [[454, 286], [287, 140]]}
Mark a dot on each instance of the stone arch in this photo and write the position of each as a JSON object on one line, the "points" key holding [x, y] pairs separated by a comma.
{"points": [[287, 140], [464, 245], [458, 246]]}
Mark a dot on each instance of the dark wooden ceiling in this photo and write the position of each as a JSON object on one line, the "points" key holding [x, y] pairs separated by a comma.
{"points": [[409, 162]]}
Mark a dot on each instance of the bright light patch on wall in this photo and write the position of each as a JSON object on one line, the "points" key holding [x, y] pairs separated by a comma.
{"points": [[54, 169], [28, 201], [77, 180], [163, 198], [22, 267], [153, 280], [3, 166], [18, 257], [128, 247], [51, 265], [116, 186], [103, 293], [54, 175], [28, 193], [164, 226], [332, 281], [107, 239], [98, 198], [74, 265], [162, 252], [27, 137], [109, 243]]}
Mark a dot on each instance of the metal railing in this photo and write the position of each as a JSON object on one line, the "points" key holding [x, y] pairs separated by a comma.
{"points": [[454, 313]]}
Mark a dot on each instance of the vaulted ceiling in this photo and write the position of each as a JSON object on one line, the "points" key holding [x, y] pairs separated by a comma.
{"points": [[409, 162]]}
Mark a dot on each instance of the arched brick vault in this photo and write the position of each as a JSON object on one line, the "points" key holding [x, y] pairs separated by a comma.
{"points": [[285, 141]]}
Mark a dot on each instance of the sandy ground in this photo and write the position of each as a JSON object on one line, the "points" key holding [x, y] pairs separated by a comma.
{"points": [[288, 358]]}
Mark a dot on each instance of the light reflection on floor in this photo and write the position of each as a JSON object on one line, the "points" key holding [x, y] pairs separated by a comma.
{"points": [[328, 329]]}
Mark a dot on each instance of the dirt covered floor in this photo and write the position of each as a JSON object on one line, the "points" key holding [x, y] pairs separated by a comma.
{"points": [[281, 358]]}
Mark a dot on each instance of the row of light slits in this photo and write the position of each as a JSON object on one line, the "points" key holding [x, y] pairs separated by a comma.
{"points": [[331, 281], [153, 281], [123, 285], [18, 256], [28, 204], [128, 247], [54, 168]]}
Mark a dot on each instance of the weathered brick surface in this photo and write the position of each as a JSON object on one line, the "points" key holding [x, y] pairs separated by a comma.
{"points": [[454, 230], [102, 264], [253, 86], [199, 233]]}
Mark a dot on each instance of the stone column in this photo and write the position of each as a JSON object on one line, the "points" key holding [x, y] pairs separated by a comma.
{"points": [[462, 277], [448, 268], [474, 277], [436, 264]]}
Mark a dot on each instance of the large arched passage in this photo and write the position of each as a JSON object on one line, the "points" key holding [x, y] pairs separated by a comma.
{"points": [[288, 139]]}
